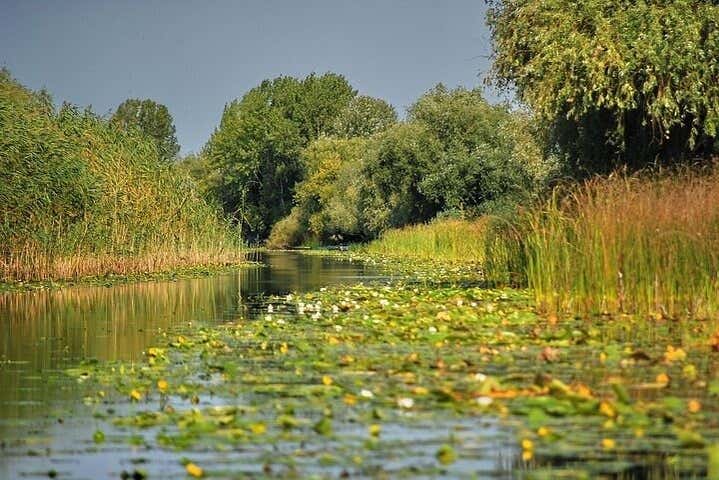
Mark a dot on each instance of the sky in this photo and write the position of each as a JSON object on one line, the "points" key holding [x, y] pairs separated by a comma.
{"points": [[196, 56]]}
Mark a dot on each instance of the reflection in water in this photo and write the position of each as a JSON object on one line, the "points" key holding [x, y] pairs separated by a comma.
{"points": [[46, 331]]}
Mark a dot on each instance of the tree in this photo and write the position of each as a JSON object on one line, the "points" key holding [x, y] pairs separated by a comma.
{"points": [[489, 158], [364, 117], [617, 82], [403, 156], [153, 119], [255, 152], [330, 197]]}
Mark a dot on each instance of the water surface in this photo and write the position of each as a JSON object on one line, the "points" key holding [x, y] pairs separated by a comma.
{"points": [[42, 418]]}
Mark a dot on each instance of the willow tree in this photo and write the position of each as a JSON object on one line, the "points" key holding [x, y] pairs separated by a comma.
{"points": [[619, 82]]}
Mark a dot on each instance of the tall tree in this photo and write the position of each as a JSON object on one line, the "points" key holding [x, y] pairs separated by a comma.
{"points": [[618, 82], [364, 116], [153, 119], [255, 152], [489, 158]]}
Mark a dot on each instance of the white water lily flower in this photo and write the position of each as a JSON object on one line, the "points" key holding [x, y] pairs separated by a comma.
{"points": [[270, 308], [484, 401], [338, 328], [280, 321], [316, 316], [289, 297], [335, 309], [480, 377], [366, 393], [405, 402]]}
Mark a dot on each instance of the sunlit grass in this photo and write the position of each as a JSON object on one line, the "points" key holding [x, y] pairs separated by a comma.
{"points": [[449, 240], [628, 244]]}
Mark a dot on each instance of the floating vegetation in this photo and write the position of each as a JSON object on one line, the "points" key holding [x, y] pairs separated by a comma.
{"points": [[417, 379]]}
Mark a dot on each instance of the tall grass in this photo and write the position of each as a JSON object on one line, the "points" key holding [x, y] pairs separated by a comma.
{"points": [[628, 244], [446, 240], [79, 197]]}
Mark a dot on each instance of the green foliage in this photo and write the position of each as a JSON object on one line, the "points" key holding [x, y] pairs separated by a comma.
{"points": [[364, 117], [617, 82], [80, 197], [489, 160], [455, 155], [288, 232], [404, 155], [456, 152], [152, 119], [331, 197], [255, 152]]}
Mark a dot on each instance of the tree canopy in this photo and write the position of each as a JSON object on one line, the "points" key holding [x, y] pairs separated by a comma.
{"points": [[255, 152], [618, 82], [364, 116], [151, 118]]}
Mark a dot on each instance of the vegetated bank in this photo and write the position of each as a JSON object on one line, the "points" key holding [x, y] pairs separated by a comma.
{"points": [[644, 243], [80, 197]]}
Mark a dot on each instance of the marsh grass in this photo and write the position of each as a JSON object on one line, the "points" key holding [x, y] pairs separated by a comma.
{"points": [[79, 197], [447, 240], [638, 244]]}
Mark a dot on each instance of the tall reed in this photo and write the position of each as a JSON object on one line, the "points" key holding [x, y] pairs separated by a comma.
{"points": [[628, 244], [79, 197]]}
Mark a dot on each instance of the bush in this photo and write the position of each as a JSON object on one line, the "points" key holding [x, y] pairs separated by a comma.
{"points": [[288, 232]]}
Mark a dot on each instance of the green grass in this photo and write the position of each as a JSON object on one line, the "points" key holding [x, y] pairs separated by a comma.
{"points": [[639, 244], [79, 197], [446, 240]]}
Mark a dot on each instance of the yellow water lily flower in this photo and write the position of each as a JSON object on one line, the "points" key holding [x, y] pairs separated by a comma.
{"points": [[194, 471]]}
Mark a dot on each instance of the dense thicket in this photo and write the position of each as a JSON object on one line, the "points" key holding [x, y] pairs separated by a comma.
{"points": [[454, 155], [79, 196], [310, 161], [617, 82], [254, 155]]}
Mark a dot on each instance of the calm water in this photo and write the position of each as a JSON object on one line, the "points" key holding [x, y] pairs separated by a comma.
{"points": [[42, 333], [44, 425]]}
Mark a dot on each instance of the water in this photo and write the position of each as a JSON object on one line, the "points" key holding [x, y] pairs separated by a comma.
{"points": [[47, 430]]}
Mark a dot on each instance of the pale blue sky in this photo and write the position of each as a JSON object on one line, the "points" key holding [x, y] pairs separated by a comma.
{"points": [[195, 56]]}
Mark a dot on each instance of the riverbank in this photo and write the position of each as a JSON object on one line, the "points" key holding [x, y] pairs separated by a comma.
{"points": [[346, 380], [637, 244], [194, 271]]}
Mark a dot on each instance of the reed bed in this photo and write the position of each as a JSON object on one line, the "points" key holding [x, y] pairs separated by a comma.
{"points": [[79, 197], [638, 244], [444, 240]]}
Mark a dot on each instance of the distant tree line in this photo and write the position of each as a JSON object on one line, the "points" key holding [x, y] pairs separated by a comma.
{"points": [[310, 160]]}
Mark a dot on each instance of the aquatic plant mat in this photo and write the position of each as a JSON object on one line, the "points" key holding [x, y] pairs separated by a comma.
{"points": [[409, 379]]}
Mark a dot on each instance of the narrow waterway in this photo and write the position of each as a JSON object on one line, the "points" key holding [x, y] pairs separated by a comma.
{"points": [[47, 421], [43, 333]]}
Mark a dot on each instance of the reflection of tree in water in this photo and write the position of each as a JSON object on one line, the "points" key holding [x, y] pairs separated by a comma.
{"points": [[44, 332]]}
